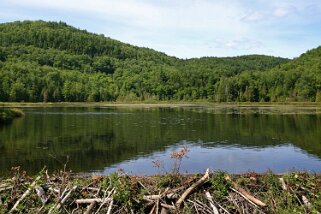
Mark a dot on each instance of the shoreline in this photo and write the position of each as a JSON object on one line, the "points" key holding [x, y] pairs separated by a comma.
{"points": [[169, 193], [160, 104]]}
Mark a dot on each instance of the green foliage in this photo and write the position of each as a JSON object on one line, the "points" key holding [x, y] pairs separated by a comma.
{"points": [[126, 193], [169, 180], [53, 62], [219, 184]]}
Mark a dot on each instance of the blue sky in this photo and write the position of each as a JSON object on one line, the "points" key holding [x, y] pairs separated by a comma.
{"points": [[187, 28]]}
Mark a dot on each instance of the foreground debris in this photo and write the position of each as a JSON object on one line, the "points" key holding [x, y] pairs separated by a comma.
{"points": [[215, 192]]}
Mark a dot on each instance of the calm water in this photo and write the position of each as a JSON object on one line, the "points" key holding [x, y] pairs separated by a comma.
{"points": [[102, 140]]}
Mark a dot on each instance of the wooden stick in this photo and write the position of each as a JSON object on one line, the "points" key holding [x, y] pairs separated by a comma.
{"points": [[4, 185], [158, 197], [106, 198], [5, 188], [110, 207], [25, 194], [221, 207], [306, 202], [54, 190], [171, 207], [152, 210], [283, 184], [58, 206], [90, 200], [157, 206], [90, 207], [251, 202], [151, 197], [210, 199], [231, 198], [245, 193], [200, 182], [203, 206], [66, 197]]}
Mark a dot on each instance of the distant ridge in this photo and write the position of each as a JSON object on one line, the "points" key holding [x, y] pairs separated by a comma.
{"points": [[51, 61]]}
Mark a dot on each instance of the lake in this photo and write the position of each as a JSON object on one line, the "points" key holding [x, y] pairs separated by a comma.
{"points": [[107, 139]]}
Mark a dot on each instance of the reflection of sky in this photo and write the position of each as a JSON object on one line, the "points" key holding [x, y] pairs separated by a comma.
{"points": [[279, 159]]}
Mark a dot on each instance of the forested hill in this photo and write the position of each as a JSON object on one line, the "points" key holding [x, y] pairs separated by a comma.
{"points": [[50, 61]]}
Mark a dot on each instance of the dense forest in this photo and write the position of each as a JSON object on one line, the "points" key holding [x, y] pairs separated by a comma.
{"points": [[53, 62]]}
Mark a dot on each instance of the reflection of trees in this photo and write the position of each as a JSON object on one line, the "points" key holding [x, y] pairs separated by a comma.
{"points": [[94, 141]]}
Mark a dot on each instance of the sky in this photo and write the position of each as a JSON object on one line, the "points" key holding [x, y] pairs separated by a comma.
{"points": [[187, 28]]}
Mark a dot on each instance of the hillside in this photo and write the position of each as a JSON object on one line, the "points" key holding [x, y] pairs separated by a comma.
{"points": [[49, 61]]}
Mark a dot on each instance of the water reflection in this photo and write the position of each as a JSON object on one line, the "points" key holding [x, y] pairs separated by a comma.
{"points": [[103, 139], [230, 158]]}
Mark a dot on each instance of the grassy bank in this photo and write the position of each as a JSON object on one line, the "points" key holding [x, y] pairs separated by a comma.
{"points": [[198, 103], [7, 115], [296, 192]]}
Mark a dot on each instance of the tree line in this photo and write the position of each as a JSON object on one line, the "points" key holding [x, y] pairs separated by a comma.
{"points": [[53, 62]]}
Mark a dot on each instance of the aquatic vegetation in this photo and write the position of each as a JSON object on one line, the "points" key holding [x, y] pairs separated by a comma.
{"points": [[7, 115]]}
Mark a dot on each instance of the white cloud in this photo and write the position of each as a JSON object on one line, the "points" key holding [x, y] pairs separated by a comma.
{"points": [[238, 44], [182, 27], [124, 9], [284, 11], [190, 14], [254, 16]]}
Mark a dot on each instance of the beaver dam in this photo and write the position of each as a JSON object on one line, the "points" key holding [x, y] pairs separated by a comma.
{"points": [[209, 192]]}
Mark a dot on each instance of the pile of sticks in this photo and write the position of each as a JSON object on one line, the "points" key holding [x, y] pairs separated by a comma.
{"points": [[64, 193]]}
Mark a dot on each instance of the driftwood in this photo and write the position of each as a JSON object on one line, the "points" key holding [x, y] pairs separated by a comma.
{"points": [[245, 194], [25, 194], [200, 182], [210, 199]]}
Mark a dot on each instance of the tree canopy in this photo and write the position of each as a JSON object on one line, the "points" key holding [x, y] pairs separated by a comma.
{"points": [[52, 62]]}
